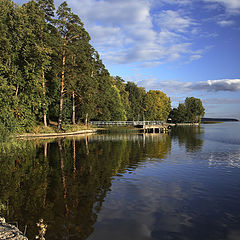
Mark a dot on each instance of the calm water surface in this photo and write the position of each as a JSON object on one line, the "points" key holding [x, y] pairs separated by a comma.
{"points": [[184, 186]]}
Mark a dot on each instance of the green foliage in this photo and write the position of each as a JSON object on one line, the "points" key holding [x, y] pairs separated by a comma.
{"points": [[47, 7], [190, 112], [124, 95], [195, 109], [136, 98], [116, 107], [47, 61], [157, 106], [4, 132], [179, 115]]}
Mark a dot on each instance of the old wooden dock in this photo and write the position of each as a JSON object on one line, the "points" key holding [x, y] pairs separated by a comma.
{"points": [[161, 128], [144, 126]]}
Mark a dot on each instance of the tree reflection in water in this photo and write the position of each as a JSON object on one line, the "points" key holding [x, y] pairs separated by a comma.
{"points": [[188, 136], [65, 181]]}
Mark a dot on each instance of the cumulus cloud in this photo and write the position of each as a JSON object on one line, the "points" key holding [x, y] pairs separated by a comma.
{"points": [[127, 31], [141, 31], [114, 12], [170, 86], [231, 85]]}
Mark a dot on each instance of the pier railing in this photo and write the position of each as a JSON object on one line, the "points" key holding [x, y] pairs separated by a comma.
{"points": [[125, 123]]}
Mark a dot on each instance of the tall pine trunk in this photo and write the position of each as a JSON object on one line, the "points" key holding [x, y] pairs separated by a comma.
{"points": [[44, 96], [73, 108], [62, 82]]}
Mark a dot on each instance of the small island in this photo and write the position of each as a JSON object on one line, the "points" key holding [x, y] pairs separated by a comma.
{"points": [[219, 120]]}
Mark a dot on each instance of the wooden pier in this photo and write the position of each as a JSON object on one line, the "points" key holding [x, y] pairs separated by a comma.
{"points": [[156, 128], [144, 126], [125, 123]]}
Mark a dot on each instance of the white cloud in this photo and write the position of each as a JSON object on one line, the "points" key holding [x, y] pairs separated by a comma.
{"points": [[166, 36], [118, 12], [225, 23], [195, 57], [231, 85], [107, 36], [129, 31], [126, 31], [170, 20], [170, 86]]}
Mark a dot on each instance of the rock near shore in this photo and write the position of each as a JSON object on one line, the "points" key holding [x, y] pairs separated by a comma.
{"points": [[8, 231]]}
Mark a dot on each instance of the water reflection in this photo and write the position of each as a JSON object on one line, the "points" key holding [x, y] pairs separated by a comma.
{"points": [[190, 137], [65, 181], [123, 186]]}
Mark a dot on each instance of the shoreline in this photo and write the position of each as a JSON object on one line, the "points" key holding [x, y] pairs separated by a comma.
{"points": [[80, 132], [55, 135]]}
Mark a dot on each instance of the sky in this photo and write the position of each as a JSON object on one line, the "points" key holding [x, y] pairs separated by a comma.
{"points": [[185, 48]]}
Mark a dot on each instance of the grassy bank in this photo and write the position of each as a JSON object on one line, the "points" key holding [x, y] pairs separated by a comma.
{"points": [[6, 134], [65, 129], [53, 132]]}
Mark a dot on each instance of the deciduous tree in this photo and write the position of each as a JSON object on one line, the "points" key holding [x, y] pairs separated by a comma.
{"points": [[157, 106], [195, 109], [136, 101]]}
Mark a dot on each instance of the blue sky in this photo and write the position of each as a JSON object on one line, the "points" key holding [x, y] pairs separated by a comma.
{"points": [[182, 47]]}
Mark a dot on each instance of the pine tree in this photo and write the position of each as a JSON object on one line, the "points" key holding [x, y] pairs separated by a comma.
{"points": [[47, 7], [72, 31]]}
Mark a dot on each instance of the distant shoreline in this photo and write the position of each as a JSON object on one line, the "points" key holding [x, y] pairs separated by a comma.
{"points": [[219, 120]]}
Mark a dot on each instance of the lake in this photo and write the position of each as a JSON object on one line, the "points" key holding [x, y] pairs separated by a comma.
{"points": [[182, 186]]}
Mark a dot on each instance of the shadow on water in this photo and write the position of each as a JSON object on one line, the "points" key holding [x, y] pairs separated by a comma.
{"points": [[65, 181]]}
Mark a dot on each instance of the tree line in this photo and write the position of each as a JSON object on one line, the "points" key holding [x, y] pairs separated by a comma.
{"points": [[49, 71]]}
